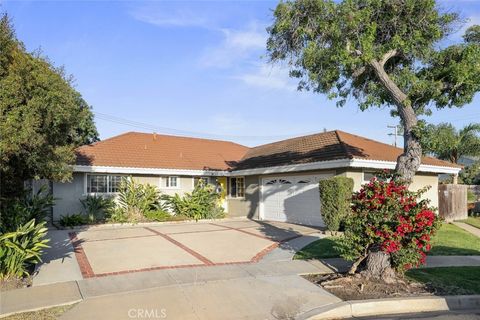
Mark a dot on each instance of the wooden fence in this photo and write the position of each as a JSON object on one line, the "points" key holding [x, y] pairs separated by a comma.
{"points": [[452, 201]]}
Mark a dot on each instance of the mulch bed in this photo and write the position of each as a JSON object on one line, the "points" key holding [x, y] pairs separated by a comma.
{"points": [[357, 287]]}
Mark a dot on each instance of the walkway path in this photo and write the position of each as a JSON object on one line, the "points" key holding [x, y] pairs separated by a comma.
{"points": [[469, 228], [268, 289], [262, 290]]}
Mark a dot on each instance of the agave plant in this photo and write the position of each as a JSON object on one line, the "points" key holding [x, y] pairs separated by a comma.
{"points": [[95, 207], [21, 248], [134, 201], [201, 203]]}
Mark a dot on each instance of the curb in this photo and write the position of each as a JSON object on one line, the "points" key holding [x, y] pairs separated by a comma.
{"points": [[38, 298], [391, 306]]}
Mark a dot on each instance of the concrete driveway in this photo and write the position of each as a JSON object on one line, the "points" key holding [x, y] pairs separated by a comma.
{"points": [[110, 250]]}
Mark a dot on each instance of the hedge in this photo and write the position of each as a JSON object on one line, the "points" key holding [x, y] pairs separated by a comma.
{"points": [[335, 196]]}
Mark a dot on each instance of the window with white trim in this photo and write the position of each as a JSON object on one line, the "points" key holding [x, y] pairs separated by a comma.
{"points": [[103, 183], [205, 180], [171, 182], [237, 187]]}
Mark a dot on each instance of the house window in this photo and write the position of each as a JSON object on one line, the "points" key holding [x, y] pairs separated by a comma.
{"points": [[205, 180], [172, 182], [368, 175], [102, 183], [237, 187]]}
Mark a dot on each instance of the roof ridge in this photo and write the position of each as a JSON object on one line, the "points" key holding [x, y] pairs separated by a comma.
{"points": [[294, 138], [165, 135], [389, 145], [342, 144], [107, 139]]}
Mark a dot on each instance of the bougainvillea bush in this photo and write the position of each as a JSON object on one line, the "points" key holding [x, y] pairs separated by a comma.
{"points": [[387, 217]]}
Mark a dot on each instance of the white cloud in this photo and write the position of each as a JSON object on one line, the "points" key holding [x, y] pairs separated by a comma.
{"points": [[163, 16], [236, 46], [269, 77]]}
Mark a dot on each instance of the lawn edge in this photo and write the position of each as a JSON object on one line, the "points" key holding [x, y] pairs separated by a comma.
{"points": [[392, 306]]}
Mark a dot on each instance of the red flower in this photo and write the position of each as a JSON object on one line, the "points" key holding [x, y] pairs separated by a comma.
{"points": [[390, 246]]}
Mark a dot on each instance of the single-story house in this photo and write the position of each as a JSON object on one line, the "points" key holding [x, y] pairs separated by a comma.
{"points": [[276, 181]]}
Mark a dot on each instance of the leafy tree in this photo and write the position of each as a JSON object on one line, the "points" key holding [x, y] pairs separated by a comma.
{"points": [[42, 117], [447, 143], [470, 174], [382, 53]]}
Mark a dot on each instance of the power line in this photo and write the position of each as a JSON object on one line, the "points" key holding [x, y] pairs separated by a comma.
{"points": [[167, 130]]}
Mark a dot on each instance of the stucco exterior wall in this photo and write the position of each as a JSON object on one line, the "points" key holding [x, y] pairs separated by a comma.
{"points": [[424, 179], [249, 206], [68, 196]]}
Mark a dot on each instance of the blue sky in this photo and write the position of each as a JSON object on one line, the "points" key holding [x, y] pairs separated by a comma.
{"points": [[193, 68]]}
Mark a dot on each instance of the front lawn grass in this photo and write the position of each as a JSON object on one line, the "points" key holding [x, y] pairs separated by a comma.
{"points": [[448, 280], [473, 221], [451, 240], [320, 249]]}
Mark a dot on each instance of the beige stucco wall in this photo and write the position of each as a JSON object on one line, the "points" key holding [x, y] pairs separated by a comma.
{"points": [[68, 194], [420, 180], [249, 206], [425, 179]]}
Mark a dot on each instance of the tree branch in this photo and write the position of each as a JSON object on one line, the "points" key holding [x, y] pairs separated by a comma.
{"points": [[387, 56], [358, 72]]}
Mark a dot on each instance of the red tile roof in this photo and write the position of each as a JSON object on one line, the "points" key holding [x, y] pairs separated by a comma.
{"points": [[332, 145], [144, 150]]}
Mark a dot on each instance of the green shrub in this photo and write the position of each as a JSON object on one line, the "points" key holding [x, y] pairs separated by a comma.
{"points": [[158, 215], [134, 202], [17, 212], [21, 248], [471, 196], [202, 203], [335, 196], [73, 220], [387, 217], [95, 207]]}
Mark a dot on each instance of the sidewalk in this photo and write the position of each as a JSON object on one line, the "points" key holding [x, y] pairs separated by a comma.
{"points": [[469, 228], [243, 290], [268, 289]]}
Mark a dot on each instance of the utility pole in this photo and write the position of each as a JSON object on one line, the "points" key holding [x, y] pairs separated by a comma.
{"points": [[395, 133]]}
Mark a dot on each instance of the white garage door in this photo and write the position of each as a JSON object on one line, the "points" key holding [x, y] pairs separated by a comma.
{"points": [[293, 199]]}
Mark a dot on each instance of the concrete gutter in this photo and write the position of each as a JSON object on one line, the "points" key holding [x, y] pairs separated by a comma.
{"points": [[392, 306]]}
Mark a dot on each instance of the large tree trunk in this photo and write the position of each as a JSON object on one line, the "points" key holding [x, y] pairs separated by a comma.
{"points": [[409, 161], [378, 266]]}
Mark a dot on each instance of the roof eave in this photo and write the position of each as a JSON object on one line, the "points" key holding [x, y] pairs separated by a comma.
{"points": [[341, 163]]}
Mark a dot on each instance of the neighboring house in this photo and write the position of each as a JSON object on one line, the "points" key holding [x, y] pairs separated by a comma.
{"points": [[275, 181]]}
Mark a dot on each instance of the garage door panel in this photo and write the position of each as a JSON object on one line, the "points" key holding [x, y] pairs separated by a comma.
{"points": [[293, 199]]}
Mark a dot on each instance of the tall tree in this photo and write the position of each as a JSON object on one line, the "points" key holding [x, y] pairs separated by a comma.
{"points": [[42, 118], [382, 53], [447, 143]]}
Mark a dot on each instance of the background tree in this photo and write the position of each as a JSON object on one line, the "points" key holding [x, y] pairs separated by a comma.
{"points": [[42, 117], [447, 143], [382, 53]]}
